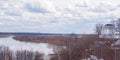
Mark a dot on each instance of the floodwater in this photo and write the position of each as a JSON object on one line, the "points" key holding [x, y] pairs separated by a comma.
{"points": [[15, 45]]}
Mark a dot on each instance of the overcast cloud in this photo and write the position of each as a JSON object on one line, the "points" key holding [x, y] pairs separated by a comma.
{"points": [[56, 16]]}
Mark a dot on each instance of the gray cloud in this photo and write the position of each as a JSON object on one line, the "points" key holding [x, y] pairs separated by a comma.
{"points": [[56, 15], [30, 8]]}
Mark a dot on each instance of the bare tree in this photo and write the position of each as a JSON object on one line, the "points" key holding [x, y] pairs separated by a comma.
{"points": [[5, 54], [98, 28], [118, 26], [72, 51], [38, 56], [24, 55]]}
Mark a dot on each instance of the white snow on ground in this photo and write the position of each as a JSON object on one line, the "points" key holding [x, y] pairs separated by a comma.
{"points": [[92, 57], [17, 45]]}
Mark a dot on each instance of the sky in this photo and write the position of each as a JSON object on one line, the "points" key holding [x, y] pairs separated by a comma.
{"points": [[56, 16]]}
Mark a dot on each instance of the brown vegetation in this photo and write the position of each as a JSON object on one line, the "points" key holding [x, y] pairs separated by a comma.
{"points": [[77, 47]]}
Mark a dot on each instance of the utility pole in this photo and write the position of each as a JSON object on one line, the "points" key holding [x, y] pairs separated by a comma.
{"points": [[69, 47], [101, 52], [94, 49], [115, 54]]}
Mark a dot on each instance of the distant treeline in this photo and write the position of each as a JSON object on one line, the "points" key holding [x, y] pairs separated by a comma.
{"points": [[6, 54], [34, 33]]}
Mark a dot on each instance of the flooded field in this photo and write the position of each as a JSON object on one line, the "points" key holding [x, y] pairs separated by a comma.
{"points": [[15, 45]]}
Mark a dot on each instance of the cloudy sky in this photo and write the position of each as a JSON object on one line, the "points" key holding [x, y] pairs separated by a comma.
{"points": [[56, 16]]}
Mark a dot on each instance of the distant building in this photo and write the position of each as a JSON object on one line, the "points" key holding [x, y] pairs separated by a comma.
{"points": [[109, 31]]}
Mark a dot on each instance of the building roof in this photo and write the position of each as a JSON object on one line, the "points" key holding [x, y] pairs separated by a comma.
{"points": [[117, 43], [109, 25]]}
